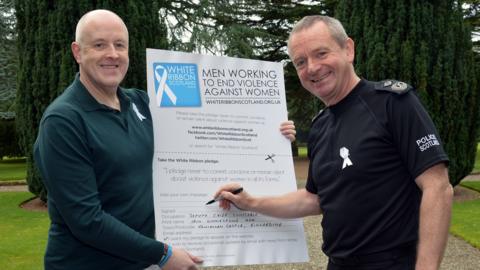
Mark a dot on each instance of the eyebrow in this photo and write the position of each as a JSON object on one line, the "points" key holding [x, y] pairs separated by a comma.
{"points": [[104, 40], [297, 59]]}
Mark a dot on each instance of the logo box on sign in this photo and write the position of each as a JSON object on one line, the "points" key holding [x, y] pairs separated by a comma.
{"points": [[176, 85]]}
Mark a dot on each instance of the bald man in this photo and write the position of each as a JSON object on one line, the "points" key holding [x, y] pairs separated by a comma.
{"points": [[94, 150]]}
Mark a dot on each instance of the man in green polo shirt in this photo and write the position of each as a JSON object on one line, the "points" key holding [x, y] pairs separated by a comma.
{"points": [[94, 151]]}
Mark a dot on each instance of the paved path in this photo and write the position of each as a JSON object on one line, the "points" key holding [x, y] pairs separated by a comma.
{"points": [[13, 188], [459, 255], [472, 177]]}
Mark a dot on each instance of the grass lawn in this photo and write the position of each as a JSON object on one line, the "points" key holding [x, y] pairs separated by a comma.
{"points": [[475, 185], [13, 169], [466, 221], [466, 217], [23, 234]]}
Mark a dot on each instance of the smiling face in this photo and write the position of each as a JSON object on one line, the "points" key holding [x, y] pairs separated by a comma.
{"points": [[324, 67], [101, 50]]}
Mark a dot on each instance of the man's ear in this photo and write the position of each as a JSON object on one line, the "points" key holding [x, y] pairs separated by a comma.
{"points": [[350, 48], [76, 51]]}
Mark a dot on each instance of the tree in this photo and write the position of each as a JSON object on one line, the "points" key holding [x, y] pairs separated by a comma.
{"points": [[8, 65], [471, 10], [8, 60], [428, 45], [246, 29], [8, 139], [46, 66]]}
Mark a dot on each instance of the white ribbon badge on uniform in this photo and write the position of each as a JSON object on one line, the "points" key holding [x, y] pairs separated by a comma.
{"points": [[139, 115], [163, 86], [344, 153]]}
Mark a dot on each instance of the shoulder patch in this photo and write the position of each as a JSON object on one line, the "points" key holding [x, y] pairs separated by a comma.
{"points": [[393, 86]]}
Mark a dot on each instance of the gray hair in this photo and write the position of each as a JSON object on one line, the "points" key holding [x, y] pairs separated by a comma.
{"points": [[334, 26]]}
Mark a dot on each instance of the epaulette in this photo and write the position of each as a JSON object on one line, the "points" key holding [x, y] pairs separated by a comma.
{"points": [[316, 116], [393, 86]]}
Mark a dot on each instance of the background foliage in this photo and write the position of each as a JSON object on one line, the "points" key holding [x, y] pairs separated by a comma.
{"points": [[8, 59], [425, 43], [247, 29], [9, 146], [8, 68]]}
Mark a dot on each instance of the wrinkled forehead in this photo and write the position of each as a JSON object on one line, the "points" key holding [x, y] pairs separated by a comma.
{"points": [[308, 38], [300, 36]]}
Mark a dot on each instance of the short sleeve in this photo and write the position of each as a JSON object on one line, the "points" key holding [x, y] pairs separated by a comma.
{"points": [[414, 133]]}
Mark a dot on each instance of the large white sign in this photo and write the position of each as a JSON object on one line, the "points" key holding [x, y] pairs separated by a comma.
{"points": [[216, 120]]}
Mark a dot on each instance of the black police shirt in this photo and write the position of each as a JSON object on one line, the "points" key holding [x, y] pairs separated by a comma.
{"points": [[365, 153]]}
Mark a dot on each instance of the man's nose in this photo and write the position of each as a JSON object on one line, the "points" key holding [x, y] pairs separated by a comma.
{"points": [[313, 66], [112, 51]]}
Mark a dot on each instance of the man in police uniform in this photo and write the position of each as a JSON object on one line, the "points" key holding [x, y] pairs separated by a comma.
{"points": [[378, 172]]}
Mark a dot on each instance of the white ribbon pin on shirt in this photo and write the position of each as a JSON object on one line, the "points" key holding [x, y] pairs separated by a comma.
{"points": [[162, 86], [344, 153], [139, 115]]}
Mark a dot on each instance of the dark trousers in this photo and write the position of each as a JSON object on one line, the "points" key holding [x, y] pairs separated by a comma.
{"points": [[400, 259]]}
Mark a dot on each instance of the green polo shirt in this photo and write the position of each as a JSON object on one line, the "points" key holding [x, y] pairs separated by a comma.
{"points": [[96, 163]]}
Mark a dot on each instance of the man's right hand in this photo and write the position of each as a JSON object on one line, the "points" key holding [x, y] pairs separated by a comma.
{"points": [[242, 200], [182, 260], [295, 204]]}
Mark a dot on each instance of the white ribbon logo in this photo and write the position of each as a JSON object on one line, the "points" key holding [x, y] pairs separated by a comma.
{"points": [[344, 153], [139, 115], [162, 86]]}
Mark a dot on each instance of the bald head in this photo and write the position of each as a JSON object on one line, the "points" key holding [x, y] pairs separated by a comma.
{"points": [[101, 51], [97, 16]]}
